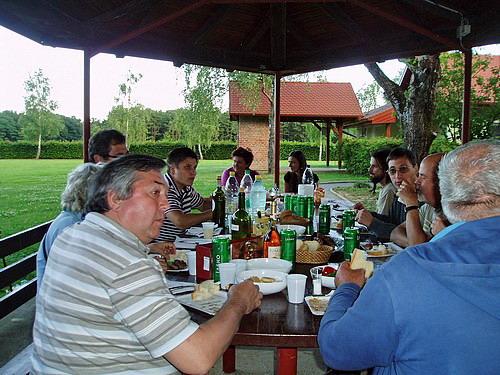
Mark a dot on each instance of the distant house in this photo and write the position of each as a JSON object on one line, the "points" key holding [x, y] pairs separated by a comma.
{"points": [[324, 103], [382, 122]]}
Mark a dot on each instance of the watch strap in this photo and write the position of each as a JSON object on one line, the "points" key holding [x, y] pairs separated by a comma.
{"points": [[409, 208]]}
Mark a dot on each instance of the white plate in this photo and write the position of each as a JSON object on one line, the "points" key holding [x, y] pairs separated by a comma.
{"points": [[269, 264], [317, 304], [181, 270], [266, 288], [326, 281], [211, 305]]}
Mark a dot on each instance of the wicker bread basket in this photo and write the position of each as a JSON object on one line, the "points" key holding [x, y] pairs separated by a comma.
{"points": [[314, 257]]}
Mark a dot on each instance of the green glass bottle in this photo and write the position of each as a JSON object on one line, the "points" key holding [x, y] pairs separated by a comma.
{"points": [[241, 224], [219, 205]]}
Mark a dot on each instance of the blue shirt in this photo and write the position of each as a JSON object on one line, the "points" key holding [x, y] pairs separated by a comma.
{"points": [[64, 220], [446, 230]]}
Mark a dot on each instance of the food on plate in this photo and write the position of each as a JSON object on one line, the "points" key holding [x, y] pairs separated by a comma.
{"points": [[265, 279], [329, 271], [255, 279], [204, 290], [176, 265], [289, 217], [318, 304], [368, 246], [378, 250], [358, 261]]}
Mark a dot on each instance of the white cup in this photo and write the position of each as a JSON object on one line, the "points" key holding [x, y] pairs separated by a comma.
{"points": [[241, 265], [296, 287], [191, 255], [208, 229], [227, 274]]}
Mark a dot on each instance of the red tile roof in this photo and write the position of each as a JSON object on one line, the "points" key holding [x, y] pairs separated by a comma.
{"points": [[304, 99]]}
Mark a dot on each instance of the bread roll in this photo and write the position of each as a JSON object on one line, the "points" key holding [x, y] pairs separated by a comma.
{"points": [[312, 245], [358, 261]]}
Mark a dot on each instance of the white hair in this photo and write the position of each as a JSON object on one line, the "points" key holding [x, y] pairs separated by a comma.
{"points": [[469, 180], [74, 196]]}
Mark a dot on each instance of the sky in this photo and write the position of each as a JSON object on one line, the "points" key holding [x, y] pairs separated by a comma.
{"points": [[160, 87]]}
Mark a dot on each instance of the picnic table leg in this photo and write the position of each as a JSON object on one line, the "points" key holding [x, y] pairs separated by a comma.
{"points": [[287, 361], [229, 360]]}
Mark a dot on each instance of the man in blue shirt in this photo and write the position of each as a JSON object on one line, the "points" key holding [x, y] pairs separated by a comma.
{"points": [[434, 308]]}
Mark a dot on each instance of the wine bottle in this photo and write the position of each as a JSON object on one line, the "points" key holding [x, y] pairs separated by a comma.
{"points": [[219, 205], [241, 225], [272, 242]]}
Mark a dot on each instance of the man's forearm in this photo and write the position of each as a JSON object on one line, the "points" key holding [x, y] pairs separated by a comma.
{"points": [[186, 221], [398, 236], [415, 233]]}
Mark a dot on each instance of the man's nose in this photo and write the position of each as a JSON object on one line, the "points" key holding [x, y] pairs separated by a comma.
{"points": [[164, 202]]}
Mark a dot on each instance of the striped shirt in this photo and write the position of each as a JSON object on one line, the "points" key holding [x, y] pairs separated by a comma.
{"points": [[104, 306], [183, 200]]}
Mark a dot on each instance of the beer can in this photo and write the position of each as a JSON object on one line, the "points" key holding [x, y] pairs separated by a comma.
{"points": [[288, 245], [295, 201], [324, 219], [288, 201], [221, 253], [351, 241], [301, 206], [348, 219], [310, 208]]}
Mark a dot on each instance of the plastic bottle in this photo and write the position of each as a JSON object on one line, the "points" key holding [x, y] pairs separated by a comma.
{"points": [[246, 185], [232, 190], [308, 176], [258, 196]]}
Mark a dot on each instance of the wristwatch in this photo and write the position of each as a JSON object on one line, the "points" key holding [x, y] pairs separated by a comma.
{"points": [[409, 208]]}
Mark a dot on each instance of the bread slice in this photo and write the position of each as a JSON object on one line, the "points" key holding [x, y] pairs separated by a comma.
{"points": [[204, 290], [358, 261], [312, 245], [378, 250]]}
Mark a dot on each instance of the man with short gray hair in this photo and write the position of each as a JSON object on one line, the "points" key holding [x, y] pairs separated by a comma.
{"points": [[434, 308], [104, 307]]}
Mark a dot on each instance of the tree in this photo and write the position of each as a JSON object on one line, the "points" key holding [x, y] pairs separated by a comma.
{"points": [[127, 116], [485, 96], [39, 122], [369, 96], [414, 108], [9, 126]]}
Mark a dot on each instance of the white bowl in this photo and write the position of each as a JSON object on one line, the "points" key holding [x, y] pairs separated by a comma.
{"points": [[326, 281], [265, 288], [297, 228], [281, 265]]}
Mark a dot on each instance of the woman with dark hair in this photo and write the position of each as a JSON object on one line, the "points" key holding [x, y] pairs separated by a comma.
{"points": [[242, 159], [297, 162]]}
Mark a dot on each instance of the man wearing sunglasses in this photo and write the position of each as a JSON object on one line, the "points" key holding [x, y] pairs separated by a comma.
{"points": [[107, 145], [403, 168]]}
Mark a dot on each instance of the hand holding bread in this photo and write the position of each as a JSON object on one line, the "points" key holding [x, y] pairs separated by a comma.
{"points": [[347, 275]]}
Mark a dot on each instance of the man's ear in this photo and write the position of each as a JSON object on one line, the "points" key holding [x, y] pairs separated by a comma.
{"points": [[113, 201], [171, 170], [98, 158]]}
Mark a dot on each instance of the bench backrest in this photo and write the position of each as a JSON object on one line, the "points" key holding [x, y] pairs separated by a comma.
{"points": [[21, 268]]}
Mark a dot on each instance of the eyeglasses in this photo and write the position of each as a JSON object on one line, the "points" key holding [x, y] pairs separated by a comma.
{"points": [[404, 169]]}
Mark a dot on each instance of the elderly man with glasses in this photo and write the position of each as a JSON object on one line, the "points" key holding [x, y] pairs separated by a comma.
{"points": [[403, 168]]}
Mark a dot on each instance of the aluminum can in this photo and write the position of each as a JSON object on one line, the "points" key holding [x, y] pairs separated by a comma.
{"points": [[325, 218], [310, 208], [288, 201], [348, 219], [351, 241], [301, 206], [288, 245], [221, 253], [295, 201]]}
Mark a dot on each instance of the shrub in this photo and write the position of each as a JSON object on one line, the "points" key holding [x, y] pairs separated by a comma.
{"points": [[356, 152]]}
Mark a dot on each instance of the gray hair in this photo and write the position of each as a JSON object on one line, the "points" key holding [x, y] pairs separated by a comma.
{"points": [[74, 196], [469, 180], [119, 176]]}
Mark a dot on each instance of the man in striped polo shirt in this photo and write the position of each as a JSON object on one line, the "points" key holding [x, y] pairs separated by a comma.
{"points": [[182, 198], [104, 305]]}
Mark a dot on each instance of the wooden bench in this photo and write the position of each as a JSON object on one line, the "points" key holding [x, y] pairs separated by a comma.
{"points": [[21, 269]]}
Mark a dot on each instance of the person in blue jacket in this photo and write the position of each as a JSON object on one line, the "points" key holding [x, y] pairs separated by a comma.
{"points": [[434, 308]]}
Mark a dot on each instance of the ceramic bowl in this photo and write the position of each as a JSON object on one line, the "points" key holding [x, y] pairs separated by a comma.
{"points": [[281, 265], [266, 288], [326, 281]]}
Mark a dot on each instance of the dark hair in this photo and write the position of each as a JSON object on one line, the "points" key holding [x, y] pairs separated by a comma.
{"points": [[178, 155], [381, 157], [119, 176], [400, 152], [245, 153], [299, 155], [100, 143]]}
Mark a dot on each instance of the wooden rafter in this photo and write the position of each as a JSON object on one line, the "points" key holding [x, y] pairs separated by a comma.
{"points": [[278, 35]]}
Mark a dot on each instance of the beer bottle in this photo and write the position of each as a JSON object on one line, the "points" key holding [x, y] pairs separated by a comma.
{"points": [[241, 225], [219, 205]]}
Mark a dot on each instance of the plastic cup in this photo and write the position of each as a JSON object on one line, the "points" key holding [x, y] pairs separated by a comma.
{"points": [[296, 287], [241, 265], [227, 274], [208, 229], [316, 279], [191, 255]]}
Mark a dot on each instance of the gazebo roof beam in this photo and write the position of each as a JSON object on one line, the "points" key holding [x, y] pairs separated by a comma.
{"points": [[211, 24], [345, 20], [278, 36]]}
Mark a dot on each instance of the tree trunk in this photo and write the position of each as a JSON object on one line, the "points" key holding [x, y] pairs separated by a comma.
{"points": [[39, 149], [270, 151], [200, 152], [321, 145], [414, 111]]}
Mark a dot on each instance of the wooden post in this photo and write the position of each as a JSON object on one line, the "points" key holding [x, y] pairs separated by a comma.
{"points": [[388, 130], [339, 143], [86, 104], [277, 123], [467, 90], [328, 128]]}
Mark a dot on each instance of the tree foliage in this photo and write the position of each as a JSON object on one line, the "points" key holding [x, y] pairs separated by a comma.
{"points": [[369, 96], [485, 97], [39, 121], [9, 126]]}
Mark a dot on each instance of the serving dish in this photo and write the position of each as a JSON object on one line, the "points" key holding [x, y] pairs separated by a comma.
{"points": [[327, 281], [266, 288], [281, 265]]}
